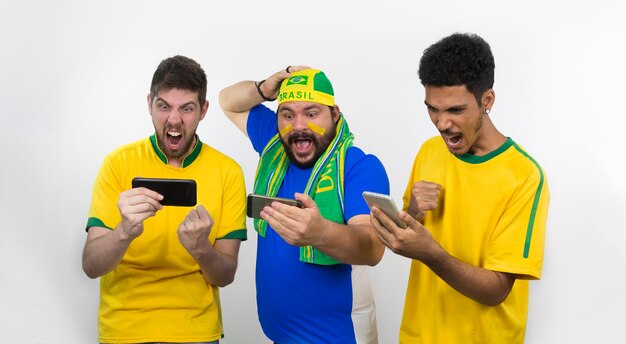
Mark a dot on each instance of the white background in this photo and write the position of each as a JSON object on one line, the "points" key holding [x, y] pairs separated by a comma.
{"points": [[73, 83]]}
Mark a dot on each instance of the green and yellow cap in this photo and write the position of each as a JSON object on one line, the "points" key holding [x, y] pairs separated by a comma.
{"points": [[308, 85]]}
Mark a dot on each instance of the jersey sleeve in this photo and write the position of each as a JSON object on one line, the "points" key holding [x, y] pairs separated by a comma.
{"points": [[233, 219], [524, 221], [262, 125], [103, 211], [363, 172], [408, 192]]}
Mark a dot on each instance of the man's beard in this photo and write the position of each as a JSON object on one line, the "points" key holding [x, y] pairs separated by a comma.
{"points": [[178, 153], [320, 143]]}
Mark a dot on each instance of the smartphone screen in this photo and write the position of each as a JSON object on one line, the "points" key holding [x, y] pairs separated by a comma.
{"points": [[386, 204], [176, 192], [256, 203]]}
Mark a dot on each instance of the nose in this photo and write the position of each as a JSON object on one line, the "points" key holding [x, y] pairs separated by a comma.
{"points": [[442, 121], [300, 122], [175, 117]]}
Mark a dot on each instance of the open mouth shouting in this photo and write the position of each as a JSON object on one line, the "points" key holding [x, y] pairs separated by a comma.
{"points": [[453, 141], [174, 143], [304, 148], [302, 144], [173, 139]]}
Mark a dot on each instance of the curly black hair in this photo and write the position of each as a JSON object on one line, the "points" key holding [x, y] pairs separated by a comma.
{"points": [[179, 72], [459, 59]]}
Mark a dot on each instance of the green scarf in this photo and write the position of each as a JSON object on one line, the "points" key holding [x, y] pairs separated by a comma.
{"points": [[325, 184]]}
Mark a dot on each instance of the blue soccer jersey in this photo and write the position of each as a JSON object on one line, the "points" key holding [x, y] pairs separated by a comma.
{"points": [[307, 303]]}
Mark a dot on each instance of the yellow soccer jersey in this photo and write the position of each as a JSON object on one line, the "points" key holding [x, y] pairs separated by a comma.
{"points": [[492, 213], [157, 292]]}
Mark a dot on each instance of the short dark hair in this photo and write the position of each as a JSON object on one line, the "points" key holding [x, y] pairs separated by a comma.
{"points": [[459, 59], [179, 72]]}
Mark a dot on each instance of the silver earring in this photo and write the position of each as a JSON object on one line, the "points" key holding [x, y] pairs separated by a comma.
{"points": [[487, 111]]}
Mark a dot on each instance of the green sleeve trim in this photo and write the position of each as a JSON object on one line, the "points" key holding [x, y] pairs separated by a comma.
{"points": [[241, 234], [95, 222], [533, 212]]}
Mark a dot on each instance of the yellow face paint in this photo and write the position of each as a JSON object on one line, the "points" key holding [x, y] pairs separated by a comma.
{"points": [[286, 130], [316, 128]]}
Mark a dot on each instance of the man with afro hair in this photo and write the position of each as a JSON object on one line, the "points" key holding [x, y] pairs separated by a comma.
{"points": [[476, 206]]}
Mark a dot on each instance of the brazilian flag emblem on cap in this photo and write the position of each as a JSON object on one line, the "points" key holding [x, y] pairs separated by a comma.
{"points": [[298, 80], [307, 85]]}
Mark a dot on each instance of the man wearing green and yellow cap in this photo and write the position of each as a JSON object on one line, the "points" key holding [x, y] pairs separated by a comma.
{"points": [[312, 277]]}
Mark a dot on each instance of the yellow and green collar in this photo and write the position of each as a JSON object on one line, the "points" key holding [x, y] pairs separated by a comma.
{"points": [[190, 158]]}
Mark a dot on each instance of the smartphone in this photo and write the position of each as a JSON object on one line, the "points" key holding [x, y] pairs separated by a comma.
{"points": [[256, 203], [386, 204], [176, 192]]}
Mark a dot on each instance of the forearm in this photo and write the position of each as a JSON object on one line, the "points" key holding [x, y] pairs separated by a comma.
{"points": [[487, 287], [352, 244], [240, 97], [218, 268], [104, 250]]}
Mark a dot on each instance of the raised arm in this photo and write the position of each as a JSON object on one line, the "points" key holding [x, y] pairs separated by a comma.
{"points": [[237, 100]]}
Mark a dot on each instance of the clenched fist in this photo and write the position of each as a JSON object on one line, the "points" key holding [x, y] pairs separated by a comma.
{"points": [[424, 197]]}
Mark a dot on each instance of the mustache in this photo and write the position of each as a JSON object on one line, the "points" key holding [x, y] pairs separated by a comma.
{"points": [[301, 135], [449, 133], [178, 128]]}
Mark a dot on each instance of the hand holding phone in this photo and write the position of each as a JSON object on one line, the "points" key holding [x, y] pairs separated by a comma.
{"points": [[256, 203], [135, 206], [175, 192], [386, 204]]}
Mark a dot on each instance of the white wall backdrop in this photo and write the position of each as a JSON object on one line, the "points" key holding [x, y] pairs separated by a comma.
{"points": [[73, 83]]}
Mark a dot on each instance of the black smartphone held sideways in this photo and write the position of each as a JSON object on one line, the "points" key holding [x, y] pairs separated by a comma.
{"points": [[386, 204], [256, 203], [176, 192]]}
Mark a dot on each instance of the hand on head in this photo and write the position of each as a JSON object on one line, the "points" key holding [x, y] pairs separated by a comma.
{"points": [[271, 85]]}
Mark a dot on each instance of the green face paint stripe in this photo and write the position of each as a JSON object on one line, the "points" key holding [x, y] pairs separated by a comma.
{"points": [[533, 212]]}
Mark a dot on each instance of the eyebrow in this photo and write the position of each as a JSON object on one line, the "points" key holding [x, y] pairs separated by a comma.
{"points": [[453, 107], [310, 107], [168, 104], [161, 100]]}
